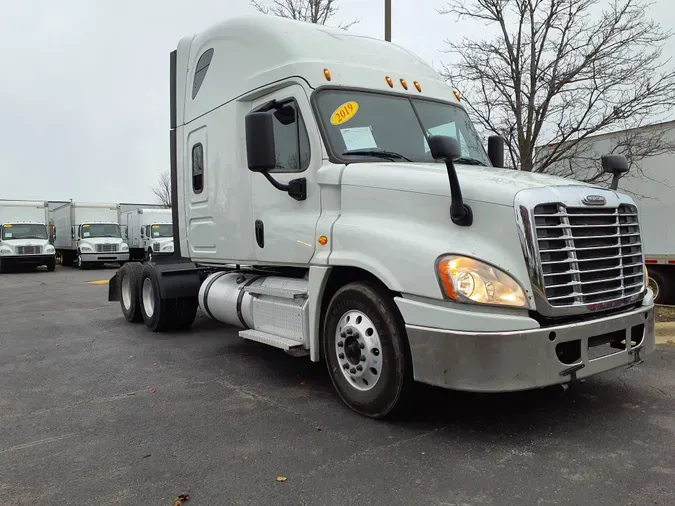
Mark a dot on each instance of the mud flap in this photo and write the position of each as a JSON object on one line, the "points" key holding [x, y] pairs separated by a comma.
{"points": [[113, 289]]}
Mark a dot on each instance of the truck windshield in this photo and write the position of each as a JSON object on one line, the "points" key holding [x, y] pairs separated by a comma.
{"points": [[161, 230], [363, 125], [23, 231], [90, 230]]}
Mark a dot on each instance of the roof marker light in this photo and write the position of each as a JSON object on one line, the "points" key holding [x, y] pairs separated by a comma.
{"points": [[390, 82], [326, 74], [404, 84], [457, 95], [418, 86]]}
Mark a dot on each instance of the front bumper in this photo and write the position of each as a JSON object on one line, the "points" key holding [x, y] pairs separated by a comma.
{"points": [[28, 259], [105, 257], [527, 359]]}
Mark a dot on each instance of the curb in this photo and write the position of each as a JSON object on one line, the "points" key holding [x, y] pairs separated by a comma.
{"points": [[665, 331]]}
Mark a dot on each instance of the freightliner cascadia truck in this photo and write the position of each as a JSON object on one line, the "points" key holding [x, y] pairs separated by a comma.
{"points": [[376, 231]]}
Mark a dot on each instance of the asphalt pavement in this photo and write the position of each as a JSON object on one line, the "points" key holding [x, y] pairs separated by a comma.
{"points": [[97, 411]]}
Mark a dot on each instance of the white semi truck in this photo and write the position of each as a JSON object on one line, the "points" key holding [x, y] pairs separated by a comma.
{"points": [[651, 184], [89, 235], [147, 231], [382, 237], [24, 239]]}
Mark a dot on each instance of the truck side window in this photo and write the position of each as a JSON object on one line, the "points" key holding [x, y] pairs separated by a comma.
{"points": [[197, 168], [291, 141], [200, 71]]}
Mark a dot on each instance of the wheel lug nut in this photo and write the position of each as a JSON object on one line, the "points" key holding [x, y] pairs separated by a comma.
{"points": [[352, 370], [349, 331], [346, 366], [343, 335], [361, 345], [359, 367], [340, 344], [341, 355], [363, 359]]}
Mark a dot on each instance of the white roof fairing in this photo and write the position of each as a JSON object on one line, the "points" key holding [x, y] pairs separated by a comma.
{"points": [[254, 51]]}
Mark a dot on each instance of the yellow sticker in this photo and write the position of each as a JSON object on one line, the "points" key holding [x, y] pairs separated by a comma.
{"points": [[8, 225], [85, 226], [344, 113], [155, 226]]}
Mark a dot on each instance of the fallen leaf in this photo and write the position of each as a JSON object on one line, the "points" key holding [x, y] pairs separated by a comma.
{"points": [[303, 382], [670, 341], [152, 390], [281, 478], [318, 428], [181, 499]]}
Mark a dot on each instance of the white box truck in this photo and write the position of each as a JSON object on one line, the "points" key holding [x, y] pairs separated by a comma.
{"points": [[89, 235], [382, 237], [24, 239], [652, 184], [147, 232]]}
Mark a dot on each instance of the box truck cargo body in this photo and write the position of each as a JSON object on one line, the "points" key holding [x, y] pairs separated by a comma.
{"points": [[383, 238], [147, 231], [89, 234], [24, 238]]}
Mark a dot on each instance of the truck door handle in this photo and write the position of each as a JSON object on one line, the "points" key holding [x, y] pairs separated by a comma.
{"points": [[260, 233]]}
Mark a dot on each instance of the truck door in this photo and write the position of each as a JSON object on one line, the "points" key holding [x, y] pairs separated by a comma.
{"points": [[285, 228]]}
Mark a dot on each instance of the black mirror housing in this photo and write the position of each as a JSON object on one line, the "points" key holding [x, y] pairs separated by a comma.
{"points": [[444, 147], [495, 150], [260, 152], [614, 164]]}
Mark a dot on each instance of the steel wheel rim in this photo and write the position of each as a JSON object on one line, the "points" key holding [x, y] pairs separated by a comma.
{"points": [[358, 350], [79, 260], [126, 292], [148, 297]]}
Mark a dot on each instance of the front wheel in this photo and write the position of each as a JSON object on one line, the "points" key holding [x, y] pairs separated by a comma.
{"points": [[366, 350], [51, 265], [657, 282]]}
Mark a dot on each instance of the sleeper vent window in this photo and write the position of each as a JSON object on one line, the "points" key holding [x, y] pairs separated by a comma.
{"points": [[200, 71], [197, 168]]}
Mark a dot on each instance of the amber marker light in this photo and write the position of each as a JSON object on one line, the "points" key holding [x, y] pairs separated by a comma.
{"points": [[457, 95], [404, 84], [326, 74], [323, 240], [390, 81], [418, 86]]}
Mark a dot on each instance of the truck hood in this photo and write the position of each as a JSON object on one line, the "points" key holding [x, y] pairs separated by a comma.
{"points": [[25, 242], [482, 184]]}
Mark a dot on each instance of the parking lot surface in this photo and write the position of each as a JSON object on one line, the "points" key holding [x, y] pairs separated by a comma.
{"points": [[97, 411]]}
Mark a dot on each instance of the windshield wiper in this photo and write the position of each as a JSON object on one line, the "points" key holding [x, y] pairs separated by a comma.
{"points": [[391, 155], [465, 160]]}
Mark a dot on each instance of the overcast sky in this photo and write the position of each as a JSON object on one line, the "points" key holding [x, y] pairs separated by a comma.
{"points": [[84, 94]]}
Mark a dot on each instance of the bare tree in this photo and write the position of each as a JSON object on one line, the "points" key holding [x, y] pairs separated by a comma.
{"points": [[559, 71], [314, 11], [162, 190]]}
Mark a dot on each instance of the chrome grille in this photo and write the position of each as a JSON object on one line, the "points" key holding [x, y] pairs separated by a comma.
{"points": [[106, 248], [588, 256], [29, 250], [156, 247]]}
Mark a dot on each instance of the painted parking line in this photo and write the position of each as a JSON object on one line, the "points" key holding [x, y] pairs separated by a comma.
{"points": [[99, 282]]}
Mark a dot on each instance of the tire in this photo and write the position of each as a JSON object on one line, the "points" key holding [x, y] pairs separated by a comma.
{"points": [[156, 312], [149, 254], [129, 289], [377, 344], [3, 266], [51, 265], [80, 263], [658, 282]]}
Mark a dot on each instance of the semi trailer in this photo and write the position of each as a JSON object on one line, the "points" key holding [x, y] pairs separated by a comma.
{"points": [[24, 239], [88, 235], [147, 231], [652, 185], [379, 235]]}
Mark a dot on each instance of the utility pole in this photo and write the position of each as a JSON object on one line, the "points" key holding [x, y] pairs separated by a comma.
{"points": [[387, 20]]}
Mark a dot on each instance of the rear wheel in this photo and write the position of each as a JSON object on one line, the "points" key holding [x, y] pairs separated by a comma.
{"points": [[129, 282], [366, 350], [659, 285], [155, 311]]}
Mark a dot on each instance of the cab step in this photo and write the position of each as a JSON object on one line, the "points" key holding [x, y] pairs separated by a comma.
{"points": [[290, 346], [282, 293]]}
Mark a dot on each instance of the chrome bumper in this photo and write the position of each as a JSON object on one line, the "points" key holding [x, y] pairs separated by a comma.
{"points": [[522, 360], [105, 257]]}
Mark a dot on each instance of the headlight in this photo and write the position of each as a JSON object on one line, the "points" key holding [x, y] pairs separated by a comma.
{"points": [[464, 279], [86, 247], [49, 249], [5, 251], [124, 247], [167, 247]]}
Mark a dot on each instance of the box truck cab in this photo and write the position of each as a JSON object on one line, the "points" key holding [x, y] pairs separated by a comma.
{"points": [[24, 240], [383, 238], [148, 231], [89, 235]]}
